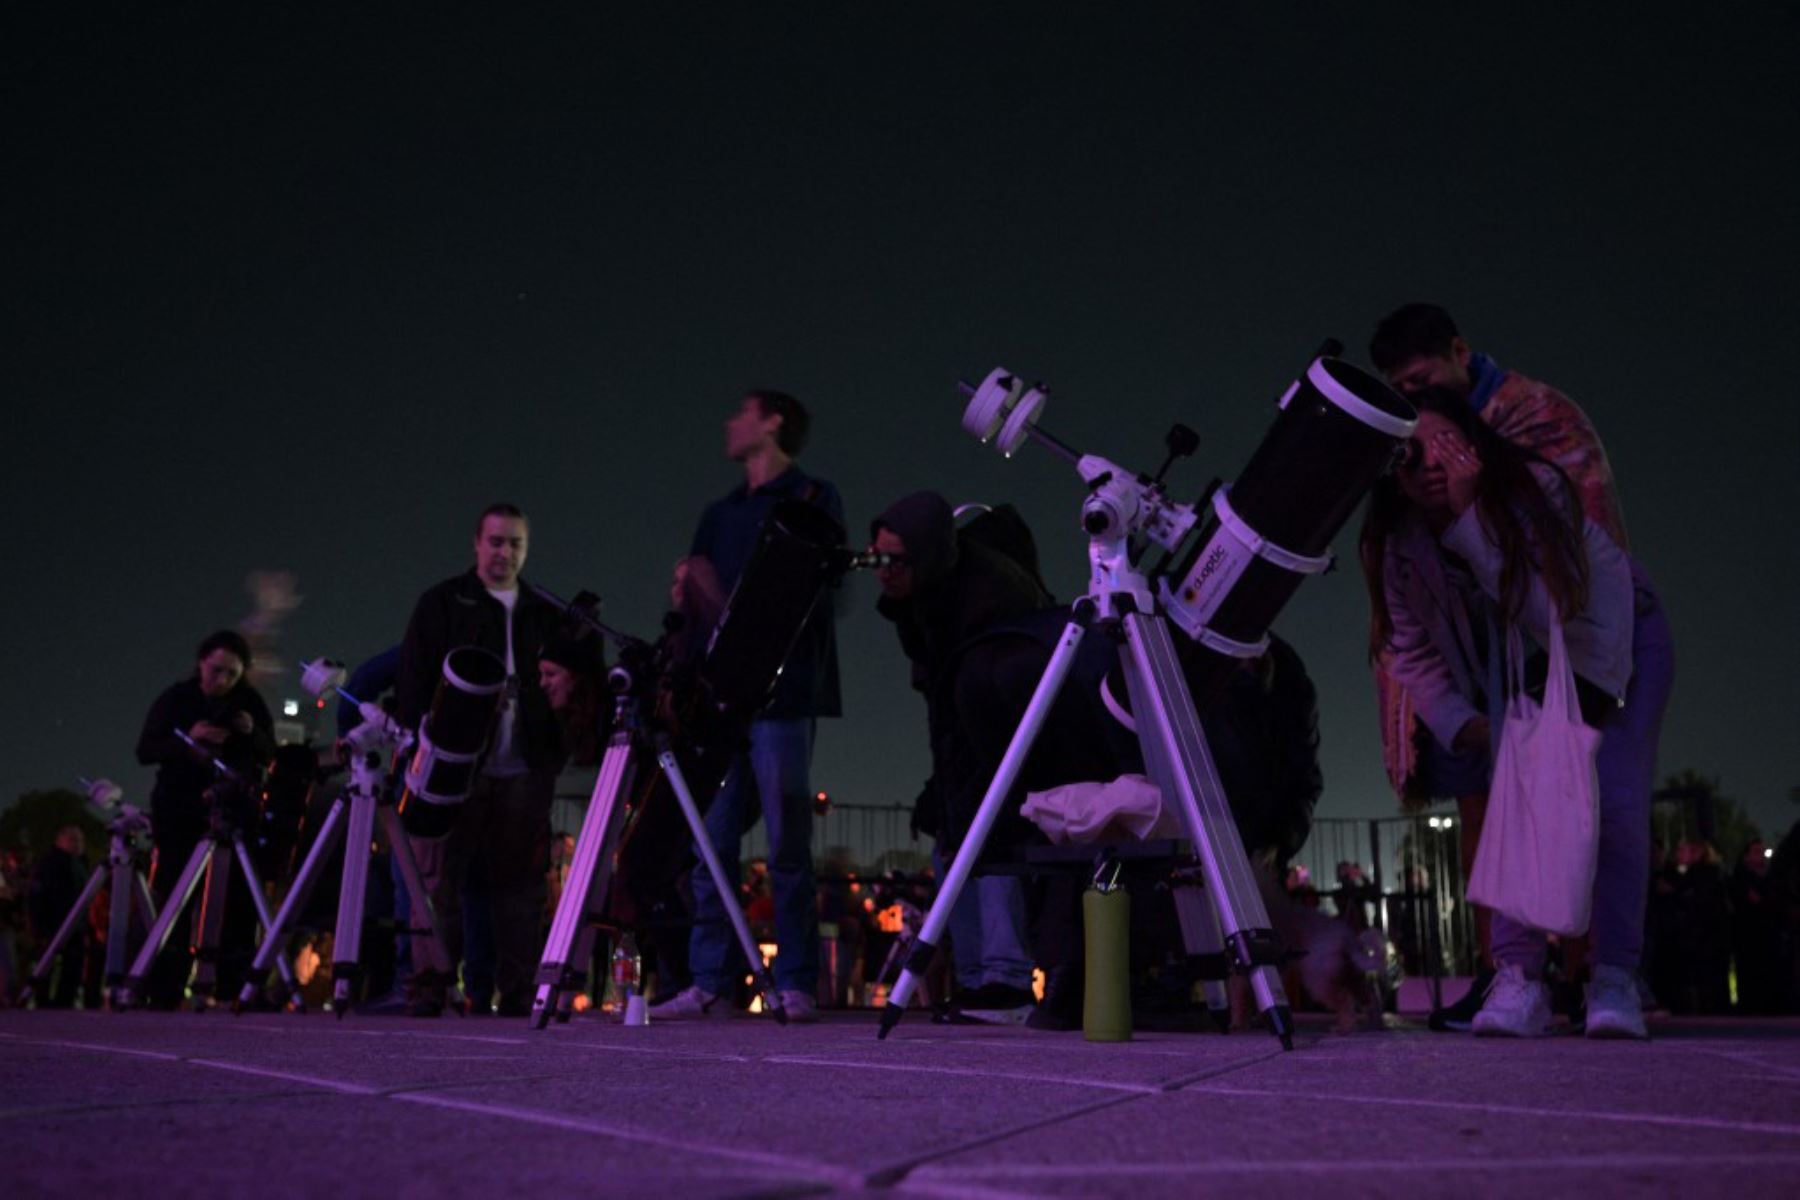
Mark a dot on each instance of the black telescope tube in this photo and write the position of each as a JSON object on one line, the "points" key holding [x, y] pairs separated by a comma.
{"points": [[1335, 436], [451, 739]]}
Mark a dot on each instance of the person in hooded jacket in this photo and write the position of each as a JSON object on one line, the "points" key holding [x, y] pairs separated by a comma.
{"points": [[942, 591]]}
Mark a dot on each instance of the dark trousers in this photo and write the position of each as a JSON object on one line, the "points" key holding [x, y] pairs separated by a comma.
{"points": [[504, 830]]}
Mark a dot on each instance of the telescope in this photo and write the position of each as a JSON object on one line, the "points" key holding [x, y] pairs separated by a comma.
{"points": [[1225, 566], [1220, 572], [451, 739]]}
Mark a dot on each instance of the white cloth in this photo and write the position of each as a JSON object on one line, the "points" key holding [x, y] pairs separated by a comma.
{"points": [[1127, 807]]}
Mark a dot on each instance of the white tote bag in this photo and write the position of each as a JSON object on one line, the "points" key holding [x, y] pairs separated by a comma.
{"points": [[1541, 835]]}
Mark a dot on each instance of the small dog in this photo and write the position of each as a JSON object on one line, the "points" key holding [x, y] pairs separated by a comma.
{"points": [[1329, 961]]}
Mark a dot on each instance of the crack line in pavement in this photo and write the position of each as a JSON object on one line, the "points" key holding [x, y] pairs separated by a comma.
{"points": [[1513, 1110], [1182, 1081], [68, 1110], [1020, 1076], [896, 1172]]}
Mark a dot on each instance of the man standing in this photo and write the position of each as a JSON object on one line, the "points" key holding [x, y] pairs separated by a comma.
{"points": [[764, 436], [1418, 346], [502, 830]]}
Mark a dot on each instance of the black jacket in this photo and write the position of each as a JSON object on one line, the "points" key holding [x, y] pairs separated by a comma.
{"points": [[461, 612], [177, 810], [961, 588]]}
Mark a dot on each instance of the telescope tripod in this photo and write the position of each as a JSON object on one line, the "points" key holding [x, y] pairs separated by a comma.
{"points": [[129, 892], [351, 820], [571, 936], [211, 859], [1178, 761]]}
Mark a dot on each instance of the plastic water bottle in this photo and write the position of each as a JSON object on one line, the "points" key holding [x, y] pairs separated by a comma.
{"points": [[628, 975], [1106, 1001]]}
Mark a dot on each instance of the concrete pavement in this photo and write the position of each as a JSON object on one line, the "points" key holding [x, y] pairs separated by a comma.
{"points": [[288, 1105]]}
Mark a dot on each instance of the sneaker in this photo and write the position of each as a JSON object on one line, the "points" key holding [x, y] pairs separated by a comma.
{"points": [[1456, 1018], [996, 1004], [800, 1007], [1613, 1007], [1515, 1006], [690, 1003]]}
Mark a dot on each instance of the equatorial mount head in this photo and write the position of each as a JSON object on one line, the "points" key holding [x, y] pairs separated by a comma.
{"points": [[322, 676]]}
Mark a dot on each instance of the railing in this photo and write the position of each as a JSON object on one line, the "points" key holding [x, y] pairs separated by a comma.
{"points": [[1408, 877]]}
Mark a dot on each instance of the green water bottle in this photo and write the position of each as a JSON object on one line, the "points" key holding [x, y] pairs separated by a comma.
{"points": [[1106, 1005]]}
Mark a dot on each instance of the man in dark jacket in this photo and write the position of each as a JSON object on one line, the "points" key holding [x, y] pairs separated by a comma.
{"points": [[502, 831], [228, 720]]}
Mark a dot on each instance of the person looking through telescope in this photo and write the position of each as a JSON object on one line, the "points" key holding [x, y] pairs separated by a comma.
{"points": [[941, 589], [228, 720], [1471, 534], [1418, 346], [502, 828]]}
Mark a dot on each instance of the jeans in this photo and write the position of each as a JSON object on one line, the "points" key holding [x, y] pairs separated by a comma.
{"points": [[989, 939], [504, 826], [1626, 766], [776, 770]]}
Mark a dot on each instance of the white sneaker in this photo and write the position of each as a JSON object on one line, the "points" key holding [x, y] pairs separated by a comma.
{"points": [[1515, 1006], [1613, 1008], [690, 1003], [800, 1007]]}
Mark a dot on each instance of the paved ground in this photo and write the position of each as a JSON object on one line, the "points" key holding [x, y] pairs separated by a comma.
{"points": [[273, 1105]]}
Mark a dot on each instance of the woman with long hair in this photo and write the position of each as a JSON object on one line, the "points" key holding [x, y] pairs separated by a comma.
{"points": [[1469, 536]]}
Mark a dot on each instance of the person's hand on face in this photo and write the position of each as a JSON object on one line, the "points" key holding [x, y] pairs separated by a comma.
{"points": [[1462, 468]]}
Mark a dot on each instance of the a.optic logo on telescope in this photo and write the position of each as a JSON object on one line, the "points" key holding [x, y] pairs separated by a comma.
{"points": [[1209, 582]]}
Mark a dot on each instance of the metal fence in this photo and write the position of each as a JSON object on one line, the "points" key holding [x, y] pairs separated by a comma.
{"points": [[865, 838], [1407, 873]]}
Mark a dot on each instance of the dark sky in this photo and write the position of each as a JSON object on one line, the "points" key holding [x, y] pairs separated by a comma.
{"points": [[307, 292]]}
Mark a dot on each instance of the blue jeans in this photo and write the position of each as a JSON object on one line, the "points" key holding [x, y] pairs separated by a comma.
{"points": [[776, 770], [1626, 767], [989, 942]]}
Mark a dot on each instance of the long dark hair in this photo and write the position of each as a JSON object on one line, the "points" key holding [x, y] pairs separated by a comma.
{"points": [[1538, 532]]}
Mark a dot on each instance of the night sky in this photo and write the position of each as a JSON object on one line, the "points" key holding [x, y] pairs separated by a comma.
{"points": [[307, 293]]}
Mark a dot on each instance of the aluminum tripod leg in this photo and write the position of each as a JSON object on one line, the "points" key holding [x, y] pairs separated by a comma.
{"points": [[346, 940], [41, 972], [734, 912], [118, 929], [209, 925], [1205, 947], [925, 945], [158, 936], [1181, 765], [429, 938], [299, 892], [589, 870], [260, 899]]}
